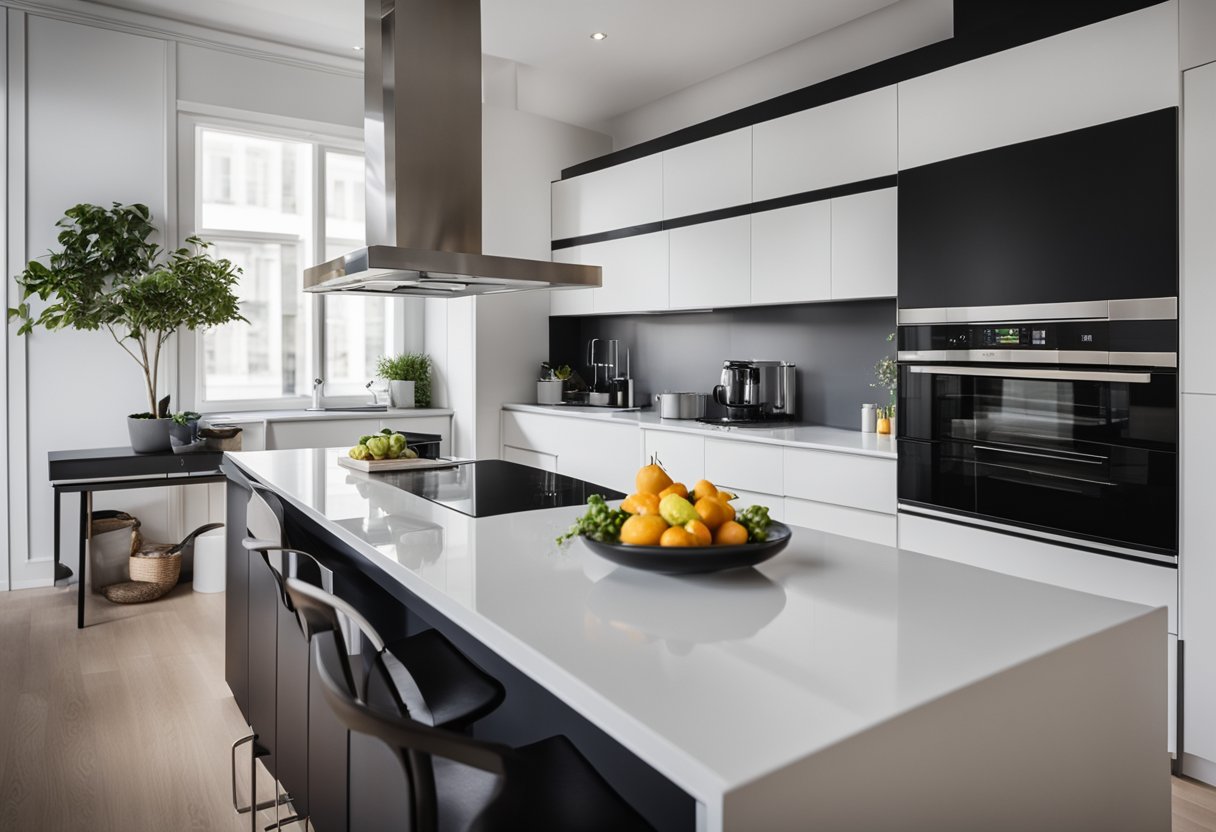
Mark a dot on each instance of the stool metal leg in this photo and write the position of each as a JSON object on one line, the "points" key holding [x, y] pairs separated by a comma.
{"points": [[255, 752], [85, 499]]}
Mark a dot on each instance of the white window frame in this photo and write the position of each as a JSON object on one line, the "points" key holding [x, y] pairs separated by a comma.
{"points": [[324, 137]]}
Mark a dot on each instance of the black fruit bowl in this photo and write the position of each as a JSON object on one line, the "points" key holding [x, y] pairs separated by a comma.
{"points": [[683, 560]]}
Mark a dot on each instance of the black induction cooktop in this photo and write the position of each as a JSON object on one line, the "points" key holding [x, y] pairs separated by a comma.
{"points": [[492, 486]]}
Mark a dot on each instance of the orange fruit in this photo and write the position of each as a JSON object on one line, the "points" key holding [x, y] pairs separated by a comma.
{"points": [[677, 536], [727, 509], [727, 496], [704, 488], [712, 512], [730, 533], [675, 488], [652, 479], [641, 504], [643, 530], [700, 531]]}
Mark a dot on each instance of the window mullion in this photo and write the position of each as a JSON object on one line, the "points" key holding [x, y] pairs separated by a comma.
{"points": [[318, 257]]}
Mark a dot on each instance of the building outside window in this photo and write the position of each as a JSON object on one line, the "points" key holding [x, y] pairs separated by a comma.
{"points": [[275, 205]]}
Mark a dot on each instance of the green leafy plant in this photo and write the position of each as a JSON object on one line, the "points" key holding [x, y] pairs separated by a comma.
{"points": [[886, 373], [109, 275], [550, 373], [186, 417], [409, 366]]}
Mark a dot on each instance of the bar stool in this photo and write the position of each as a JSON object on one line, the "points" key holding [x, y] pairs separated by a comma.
{"points": [[427, 674], [457, 782]]}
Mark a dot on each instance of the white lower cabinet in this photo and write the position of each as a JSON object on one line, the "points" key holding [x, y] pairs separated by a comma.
{"points": [[841, 520], [331, 433], [682, 454], [744, 466], [589, 449]]}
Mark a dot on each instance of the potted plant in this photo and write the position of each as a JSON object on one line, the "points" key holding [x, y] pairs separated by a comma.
{"points": [[183, 432], [108, 275], [886, 374], [409, 378], [552, 383]]}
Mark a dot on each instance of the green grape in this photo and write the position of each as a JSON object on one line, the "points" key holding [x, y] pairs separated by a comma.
{"points": [[600, 523], [756, 520]]}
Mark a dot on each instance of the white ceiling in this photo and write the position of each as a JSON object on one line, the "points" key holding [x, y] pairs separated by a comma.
{"points": [[653, 48]]}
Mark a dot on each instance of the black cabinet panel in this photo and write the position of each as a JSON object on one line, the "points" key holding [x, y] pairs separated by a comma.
{"points": [[1086, 215], [236, 594]]}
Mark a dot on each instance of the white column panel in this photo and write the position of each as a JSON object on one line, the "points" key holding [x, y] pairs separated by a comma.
{"points": [[1109, 70], [1198, 292], [1197, 562]]}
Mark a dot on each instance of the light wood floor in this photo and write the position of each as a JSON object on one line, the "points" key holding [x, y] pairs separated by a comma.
{"points": [[126, 725]]}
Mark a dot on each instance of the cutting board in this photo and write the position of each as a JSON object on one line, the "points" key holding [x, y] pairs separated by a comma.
{"points": [[373, 466]]}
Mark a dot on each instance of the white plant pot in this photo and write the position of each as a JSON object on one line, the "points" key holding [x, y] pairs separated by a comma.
{"points": [[401, 393], [549, 392], [210, 568]]}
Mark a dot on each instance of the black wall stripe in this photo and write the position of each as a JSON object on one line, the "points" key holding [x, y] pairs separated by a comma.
{"points": [[985, 33], [819, 195]]}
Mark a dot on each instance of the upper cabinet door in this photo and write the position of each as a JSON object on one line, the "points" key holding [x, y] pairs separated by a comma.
{"points": [[711, 264], [792, 254], [864, 245], [572, 301], [617, 197], [635, 273], [1109, 70], [846, 141], [712, 173]]}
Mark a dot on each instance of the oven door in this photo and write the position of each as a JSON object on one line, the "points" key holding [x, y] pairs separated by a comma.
{"points": [[1081, 456]]}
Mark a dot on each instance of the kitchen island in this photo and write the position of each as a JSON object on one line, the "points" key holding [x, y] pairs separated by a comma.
{"points": [[840, 685]]}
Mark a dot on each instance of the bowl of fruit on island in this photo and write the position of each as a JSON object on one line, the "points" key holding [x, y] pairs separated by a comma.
{"points": [[665, 527]]}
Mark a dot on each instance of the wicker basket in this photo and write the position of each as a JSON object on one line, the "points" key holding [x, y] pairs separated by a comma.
{"points": [[153, 564]]}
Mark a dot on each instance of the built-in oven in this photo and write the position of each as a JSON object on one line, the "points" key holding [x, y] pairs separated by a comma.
{"points": [[1061, 430]]}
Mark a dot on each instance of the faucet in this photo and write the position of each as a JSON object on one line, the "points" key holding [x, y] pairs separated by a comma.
{"points": [[375, 393], [318, 387]]}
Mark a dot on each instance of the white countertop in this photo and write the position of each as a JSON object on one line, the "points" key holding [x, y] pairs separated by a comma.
{"points": [[714, 680], [299, 415], [818, 437]]}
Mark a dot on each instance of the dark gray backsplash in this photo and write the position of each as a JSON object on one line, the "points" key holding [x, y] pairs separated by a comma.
{"points": [[834, 345]]}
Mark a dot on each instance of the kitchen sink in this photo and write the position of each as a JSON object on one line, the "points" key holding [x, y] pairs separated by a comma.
{"points": [[358, 408]]}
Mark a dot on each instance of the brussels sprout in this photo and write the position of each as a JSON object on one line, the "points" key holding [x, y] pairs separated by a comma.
{"points": [[359, 452], [397, 442], [378, 445], [409, 453]]}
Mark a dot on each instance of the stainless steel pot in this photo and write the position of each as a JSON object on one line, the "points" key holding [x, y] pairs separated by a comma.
{"points": [[681, 405]]}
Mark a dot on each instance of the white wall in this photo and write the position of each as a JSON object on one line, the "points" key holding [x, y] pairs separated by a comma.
{"points": [[97, 123], [890, 31], [487, 350]]}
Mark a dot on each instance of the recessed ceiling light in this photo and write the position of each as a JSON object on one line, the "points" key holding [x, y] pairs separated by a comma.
{"points": [[598, 35]]}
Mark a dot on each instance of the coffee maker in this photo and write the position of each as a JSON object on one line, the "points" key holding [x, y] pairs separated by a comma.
{"points": [[756, 391]]}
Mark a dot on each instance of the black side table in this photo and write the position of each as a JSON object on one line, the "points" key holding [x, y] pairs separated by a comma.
{"points": [[117, 469]]}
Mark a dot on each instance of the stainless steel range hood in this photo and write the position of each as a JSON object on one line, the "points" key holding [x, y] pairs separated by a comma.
{"points": [[422, 139]]}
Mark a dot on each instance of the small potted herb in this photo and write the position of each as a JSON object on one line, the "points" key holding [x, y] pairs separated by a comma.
{"points": [[886, 374], [552, 383], [184, 430], [409, 378]]}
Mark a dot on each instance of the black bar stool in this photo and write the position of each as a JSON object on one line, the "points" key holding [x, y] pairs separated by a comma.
{"points": [[457, 782], [425, 674]]}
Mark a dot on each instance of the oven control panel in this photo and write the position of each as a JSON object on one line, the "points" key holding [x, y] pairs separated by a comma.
{"points": [[1013, 336], [1080, 336]]}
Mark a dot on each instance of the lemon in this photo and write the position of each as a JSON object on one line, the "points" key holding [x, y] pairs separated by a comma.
{"points": [[676, 510]]}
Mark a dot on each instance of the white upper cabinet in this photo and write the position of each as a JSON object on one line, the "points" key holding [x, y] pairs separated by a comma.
{"points": [[617, 197], [1106, 71], [1198, 298], [792, 254], [571, 301], [711, 264], [634, 277], [864, 245], [709, 174], [845, 141]]}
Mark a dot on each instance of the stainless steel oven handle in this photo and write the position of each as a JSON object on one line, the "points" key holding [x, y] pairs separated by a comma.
{"points": [[1040, 455], [1047, 374]]}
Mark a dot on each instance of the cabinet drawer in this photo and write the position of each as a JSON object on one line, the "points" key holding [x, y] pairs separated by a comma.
{"points": [[318, 433], [536, 459], [682, 455], [841, 479], [748, 466], [842, 520]]}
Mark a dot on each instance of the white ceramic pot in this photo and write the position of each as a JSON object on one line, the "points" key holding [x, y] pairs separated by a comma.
{"points": [[210, 569], [401, 393], [549, 392], [149, 436]]}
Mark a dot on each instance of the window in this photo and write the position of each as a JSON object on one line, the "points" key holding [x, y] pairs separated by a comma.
{"points": [[275, 205]]}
